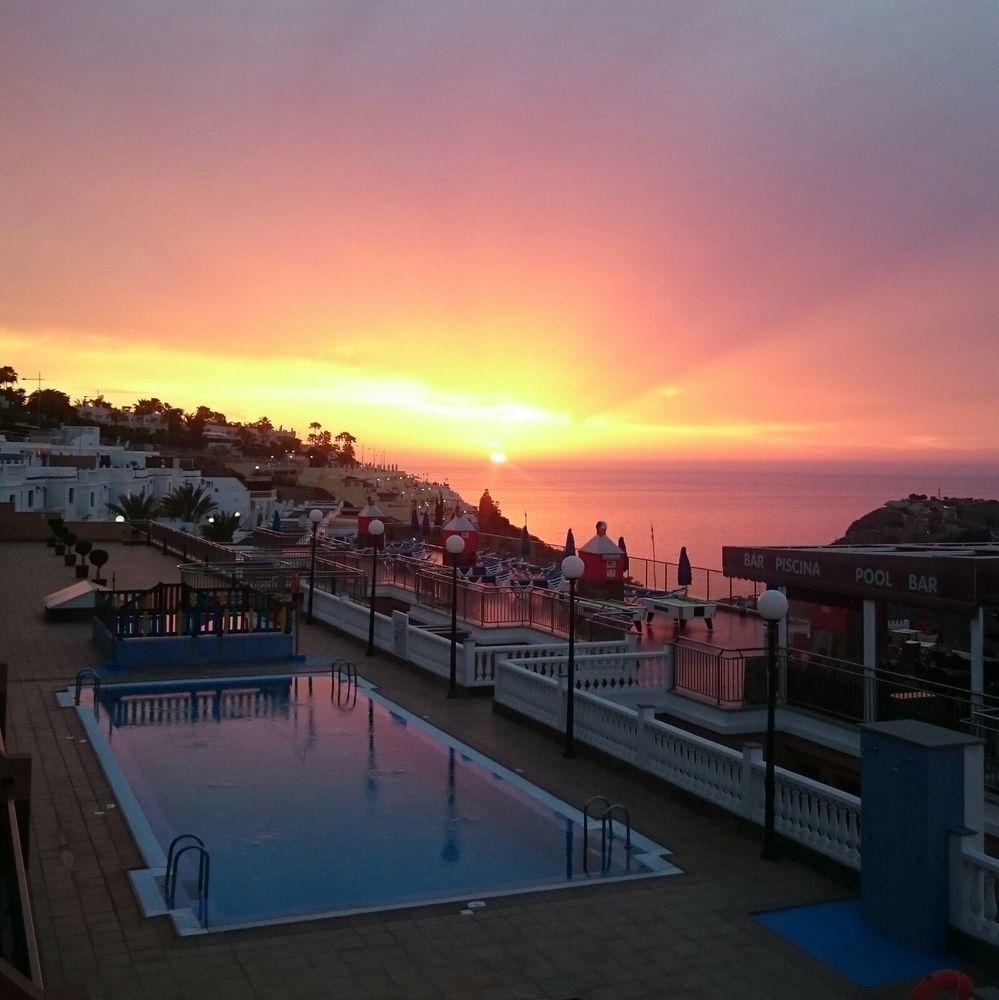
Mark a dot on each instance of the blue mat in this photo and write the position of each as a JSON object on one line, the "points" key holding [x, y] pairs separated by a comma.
{"points": [[837, 934]]}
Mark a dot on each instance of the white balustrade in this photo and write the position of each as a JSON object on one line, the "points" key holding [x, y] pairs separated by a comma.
{"points": [[601, 671], [430, 652], [531, 695], [486, 657], [706, 769], [816, 815], [974, 889], [599, 723]]}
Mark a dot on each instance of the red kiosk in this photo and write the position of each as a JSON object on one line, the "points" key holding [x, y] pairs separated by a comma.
{"points": [[460, 525], [365, 516], [603, 566]]}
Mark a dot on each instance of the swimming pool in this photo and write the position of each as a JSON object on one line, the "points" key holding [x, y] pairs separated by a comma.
{"points": [[318, 799]]}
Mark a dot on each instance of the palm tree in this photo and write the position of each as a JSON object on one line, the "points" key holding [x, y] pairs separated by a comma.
{"points": [[345, 450], [138, 507], [188, 503], [220, 527]]}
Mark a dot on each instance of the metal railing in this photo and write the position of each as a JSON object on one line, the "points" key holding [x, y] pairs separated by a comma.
{"points": [[176, 609], [278, 577], [736, 678], [731, 678]]}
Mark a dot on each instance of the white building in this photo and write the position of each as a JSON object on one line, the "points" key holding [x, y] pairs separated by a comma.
{"points": [[77, 478]]}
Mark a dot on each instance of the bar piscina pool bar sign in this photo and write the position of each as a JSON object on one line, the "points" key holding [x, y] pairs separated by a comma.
{"points": [[959, 576]]}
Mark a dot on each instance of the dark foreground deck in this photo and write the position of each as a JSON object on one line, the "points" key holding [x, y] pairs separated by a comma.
{"points": [[691, 936]]}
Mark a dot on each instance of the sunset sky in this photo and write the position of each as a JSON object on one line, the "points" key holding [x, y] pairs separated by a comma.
{"points": [[655, 228]]}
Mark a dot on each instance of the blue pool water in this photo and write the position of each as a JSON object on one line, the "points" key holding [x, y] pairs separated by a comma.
{"points": [[314, 799]]}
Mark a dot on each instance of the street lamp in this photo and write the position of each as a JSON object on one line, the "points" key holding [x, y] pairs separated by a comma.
{"points": [[772, 606], [572, 570], [315, 516], [455, 545], [376, 529], [120, 519]]}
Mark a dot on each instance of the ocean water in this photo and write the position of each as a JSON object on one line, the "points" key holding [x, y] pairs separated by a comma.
{"points": [[704, 506]]}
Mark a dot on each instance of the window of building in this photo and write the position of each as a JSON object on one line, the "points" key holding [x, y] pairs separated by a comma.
{"points": [[72, 493], [31, 498], [91, 499]]}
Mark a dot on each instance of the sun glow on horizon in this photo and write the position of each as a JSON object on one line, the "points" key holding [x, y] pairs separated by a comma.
{"points": [[498, 458]]}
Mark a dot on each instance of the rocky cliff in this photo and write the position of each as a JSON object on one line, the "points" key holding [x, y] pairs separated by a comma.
{"points": [[926, 519]]}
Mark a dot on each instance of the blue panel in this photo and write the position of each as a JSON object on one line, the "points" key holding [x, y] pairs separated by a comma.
{"points": [[837, 934], [912, 796]]}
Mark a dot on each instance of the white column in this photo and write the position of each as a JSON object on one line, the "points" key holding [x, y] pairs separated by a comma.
{"points": [[974, 791], [646, 715], [870, 640], [751, 785], [977, 648], [468, 662], [669, 666]]}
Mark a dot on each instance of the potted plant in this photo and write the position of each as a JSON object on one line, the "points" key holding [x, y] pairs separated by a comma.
{"points": [[82, 548], [98, 558], [70, 539], [60, 546], [55, 523]]}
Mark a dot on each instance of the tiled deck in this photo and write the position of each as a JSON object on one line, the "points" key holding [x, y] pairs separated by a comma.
{"points": [[689, 936]]}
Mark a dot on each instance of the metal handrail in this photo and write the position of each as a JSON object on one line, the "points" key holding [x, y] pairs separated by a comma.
{"points": [[204, 873], [346, 690], [95, 680], [173, 845], [586, 832], [607, 829]]}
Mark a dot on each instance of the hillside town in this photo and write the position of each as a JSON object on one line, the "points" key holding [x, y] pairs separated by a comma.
{"points": [[88, 460]]}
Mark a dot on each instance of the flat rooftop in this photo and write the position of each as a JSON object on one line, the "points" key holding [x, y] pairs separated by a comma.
{"points": [[691, 935]]}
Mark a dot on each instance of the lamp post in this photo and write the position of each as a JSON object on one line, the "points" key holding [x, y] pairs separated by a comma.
{"points": [[376, 529], [455, 545], [572, 570], [772, 606], [315, 516]]}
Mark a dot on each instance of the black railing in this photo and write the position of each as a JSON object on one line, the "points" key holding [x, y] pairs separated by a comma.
{"points": [[833, 688], [736, 678], [176, 609], [732, 678]]}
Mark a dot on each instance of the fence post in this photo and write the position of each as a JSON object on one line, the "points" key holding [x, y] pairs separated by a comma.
{"points": [[643, 747], [752, 754], [468, 663], [958, 904], [669, 677]]}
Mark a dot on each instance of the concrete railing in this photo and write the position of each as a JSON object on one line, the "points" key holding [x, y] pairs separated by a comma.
{"points": [[430, 651], [816, 815], [486, 657], [974, 888], [601, 669]]}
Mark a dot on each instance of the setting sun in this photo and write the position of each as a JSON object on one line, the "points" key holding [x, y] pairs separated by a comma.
{"points": [[497, 458]]}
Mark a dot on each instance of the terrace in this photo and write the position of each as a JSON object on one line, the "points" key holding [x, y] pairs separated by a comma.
{"points": [[692, 934]]}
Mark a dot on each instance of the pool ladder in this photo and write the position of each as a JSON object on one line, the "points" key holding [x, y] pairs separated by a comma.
{"points": [[606, 818], [82, 677], [174, 854], [343, 678]]}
